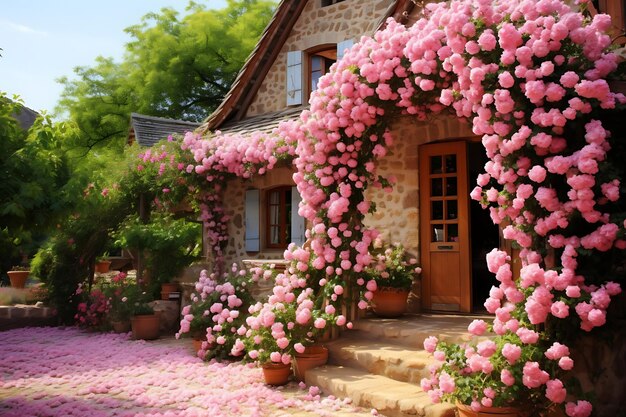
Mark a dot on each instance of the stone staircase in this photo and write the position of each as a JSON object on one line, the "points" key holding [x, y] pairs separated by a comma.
{"points": [[380, 363]]}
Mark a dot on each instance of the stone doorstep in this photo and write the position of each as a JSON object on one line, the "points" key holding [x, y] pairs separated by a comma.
{"points": [[390, 397], [412, 330], [380, 358]]}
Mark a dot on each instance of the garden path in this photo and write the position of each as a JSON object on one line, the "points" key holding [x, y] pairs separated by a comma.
{"points": [[67, 372]]}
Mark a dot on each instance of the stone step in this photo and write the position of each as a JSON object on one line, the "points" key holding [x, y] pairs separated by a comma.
{"points": [[412, 329], [380, 357], [390, 397]]}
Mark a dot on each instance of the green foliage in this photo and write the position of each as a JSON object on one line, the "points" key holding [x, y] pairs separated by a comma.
{"points": [[122, 292], [169, 244], [176, 67], [34, 171]]}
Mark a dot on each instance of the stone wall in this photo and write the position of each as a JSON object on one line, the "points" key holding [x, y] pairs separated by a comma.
{"points": [[316, 25]]}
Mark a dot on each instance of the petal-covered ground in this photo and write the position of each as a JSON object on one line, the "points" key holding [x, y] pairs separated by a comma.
{"points": [[67, 372]]}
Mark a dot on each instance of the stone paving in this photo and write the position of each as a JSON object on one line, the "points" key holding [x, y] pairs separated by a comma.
{"points": [[68, 372]]}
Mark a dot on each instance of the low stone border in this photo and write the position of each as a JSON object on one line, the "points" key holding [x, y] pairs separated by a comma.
{"points": [[25, 315]]}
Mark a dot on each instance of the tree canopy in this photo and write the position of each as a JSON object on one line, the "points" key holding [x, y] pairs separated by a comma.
{"points": [[34, 171], [176, 67]]}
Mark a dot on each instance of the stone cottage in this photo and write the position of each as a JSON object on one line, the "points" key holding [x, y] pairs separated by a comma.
{"points": [[435, 161]]}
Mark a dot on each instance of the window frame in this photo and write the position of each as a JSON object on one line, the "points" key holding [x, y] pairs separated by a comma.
{"points": [[284, 224], [317, 52]]}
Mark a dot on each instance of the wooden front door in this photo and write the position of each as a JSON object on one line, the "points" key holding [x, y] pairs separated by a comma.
{"points": [[444, 227]]}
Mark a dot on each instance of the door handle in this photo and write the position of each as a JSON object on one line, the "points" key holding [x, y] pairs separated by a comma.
{"points": [[445, 247]]}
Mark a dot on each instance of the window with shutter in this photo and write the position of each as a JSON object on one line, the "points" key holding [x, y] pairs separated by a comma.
{"points": [[294, 78], [319, 64], [278, 215], [252, 235]]}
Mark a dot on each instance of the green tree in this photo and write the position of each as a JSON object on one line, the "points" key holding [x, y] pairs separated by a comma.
{"points": [[34, 170], [173, 67]]}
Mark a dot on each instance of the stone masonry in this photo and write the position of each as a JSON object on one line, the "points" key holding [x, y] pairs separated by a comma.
{"points": [[316, 26]]}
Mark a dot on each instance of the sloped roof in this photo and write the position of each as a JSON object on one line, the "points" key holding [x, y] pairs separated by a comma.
{"points": [[26, 117], [264, 123], [148, 130], [248, 81], [257, 65]]}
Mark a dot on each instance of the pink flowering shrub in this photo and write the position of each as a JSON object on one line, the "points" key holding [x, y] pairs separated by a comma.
{"points": [[530, 78], [291, 318], [391, 267], [92, 309], [217, 314], [92, 312], [121, 292]]}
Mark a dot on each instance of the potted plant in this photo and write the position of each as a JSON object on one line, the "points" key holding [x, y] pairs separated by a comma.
{"points": [[18, 276], [144, 321], [217, 314], [501, 376], [393, 272], [122, 293], [103, 265], [268, 346], [282, 332]]}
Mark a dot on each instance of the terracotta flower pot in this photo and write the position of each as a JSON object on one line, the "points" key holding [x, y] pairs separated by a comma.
{"points": [[103, 267], [197, 345], [121, 326], [312, 357], [276, 373], [389, 301], [145, 327], [466, 411], [18, 278], [166, 289]]}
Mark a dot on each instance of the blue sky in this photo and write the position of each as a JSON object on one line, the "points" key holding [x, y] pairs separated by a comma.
{"points": [[43, 40]]}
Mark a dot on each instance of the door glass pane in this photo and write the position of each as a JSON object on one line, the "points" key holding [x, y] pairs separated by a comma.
{"points": [[435, 165], [436, 187], [451, 186], [453, 233], [436, 208], [437, 235], [451, 209], [450, 161]]}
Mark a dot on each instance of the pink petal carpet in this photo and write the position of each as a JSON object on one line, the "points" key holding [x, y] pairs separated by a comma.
{"points": [[50, 372]]}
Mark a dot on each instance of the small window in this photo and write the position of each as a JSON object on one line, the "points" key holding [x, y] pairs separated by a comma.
{"points": [[330, 2], [319, 64], [278, 210]]}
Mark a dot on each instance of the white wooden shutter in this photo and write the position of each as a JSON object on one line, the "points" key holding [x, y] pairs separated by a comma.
{"points": [[294, 78], [342, 47], [252, 236], [297, 221]]}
